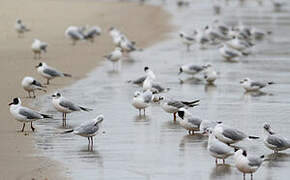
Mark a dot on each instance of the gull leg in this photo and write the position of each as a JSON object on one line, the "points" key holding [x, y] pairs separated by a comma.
{"points": [[89, 143], [23, 127], [251, 176], [144, 112], [174, 117], [65, 119], [33, 94], [32, 126], [216, 161], [244, 176], [92, 142], [47, 81], [224, 161]]}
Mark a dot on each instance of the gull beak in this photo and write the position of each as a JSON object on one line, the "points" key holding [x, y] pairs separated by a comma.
{"points": [[10, 104], [241, 81], [53, 95]]}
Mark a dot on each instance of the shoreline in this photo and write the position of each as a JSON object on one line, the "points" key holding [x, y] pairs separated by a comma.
{"points": [[17, 59]]}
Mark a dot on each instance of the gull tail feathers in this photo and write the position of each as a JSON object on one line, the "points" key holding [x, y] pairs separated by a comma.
{"points": [[46, 116], [253, 137], [67, 75], [85, 109], [68, 131]]}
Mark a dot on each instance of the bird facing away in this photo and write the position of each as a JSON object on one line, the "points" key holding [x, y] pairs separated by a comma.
{"points": [[29, 84], [49, 73], [188, 122], [65, 106], [24, 114]]}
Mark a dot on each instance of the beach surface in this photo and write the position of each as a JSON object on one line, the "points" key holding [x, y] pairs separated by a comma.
{"points": [[48, 20]]}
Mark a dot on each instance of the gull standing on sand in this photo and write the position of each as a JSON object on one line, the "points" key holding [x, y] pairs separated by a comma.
{"points": [[247, 164], [115, 57], [49, 73], [38, 47], [24, 114], [75, 33], [218, 149], [273, 141], [29, 84], [88, 129], [142, 100], [186, 40], [250, 85], [190, 69], [188, 122], [65, 106], [20, 28], [92, 32], [230, 135], [210, 75], [173, 106]]}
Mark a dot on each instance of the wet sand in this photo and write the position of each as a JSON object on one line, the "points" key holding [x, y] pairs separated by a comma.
{"points": [[48, 21]]}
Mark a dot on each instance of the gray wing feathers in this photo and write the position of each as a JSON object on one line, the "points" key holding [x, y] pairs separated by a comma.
{"points": [[70, 105], [259, 84], [30, 114], [234, 134], [176, 104], [194, 121], [52, 72], [254, 161], [278, 141]]}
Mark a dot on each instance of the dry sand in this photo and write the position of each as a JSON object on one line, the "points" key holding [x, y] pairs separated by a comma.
{"points": [[48, 20]]}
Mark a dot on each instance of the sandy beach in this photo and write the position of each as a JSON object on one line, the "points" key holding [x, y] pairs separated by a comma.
{"points": [[48, 20]]}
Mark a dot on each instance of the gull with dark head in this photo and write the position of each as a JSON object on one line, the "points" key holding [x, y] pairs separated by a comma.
{"points": [[29, 84], [65, 106], [247, 164], [49, 73], [188, 122], [173, 106], [24, 114], [274, 141], [92, 33]]}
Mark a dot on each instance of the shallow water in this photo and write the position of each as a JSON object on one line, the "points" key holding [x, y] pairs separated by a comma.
{"points": [[153, 147]]}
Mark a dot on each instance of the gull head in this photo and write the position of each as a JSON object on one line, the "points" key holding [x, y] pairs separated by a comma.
{"points": [[99, 119], [245, 80], [16, 101], [18, 21], [146, 68], [180, 70], [268, 128], [181, 113], [137, 93], [56, 95]]}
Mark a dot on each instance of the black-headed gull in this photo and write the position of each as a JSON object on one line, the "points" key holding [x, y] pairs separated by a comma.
{"points": [[30, 84], [65, 106], [20, 28], [247, 164], [230, 135], [24, 114], [38, 47], [218, 149], [250, 85], [49, 73], [173, 106], [188, 122], [88, 129], [273, 141]]}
